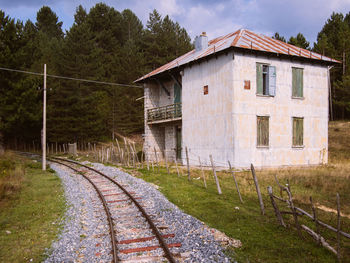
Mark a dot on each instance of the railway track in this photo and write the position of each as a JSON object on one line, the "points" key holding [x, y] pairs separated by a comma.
{"points": [[133, 233]]}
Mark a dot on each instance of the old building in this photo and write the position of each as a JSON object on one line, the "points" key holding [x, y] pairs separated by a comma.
{"points": [[243, 97]]}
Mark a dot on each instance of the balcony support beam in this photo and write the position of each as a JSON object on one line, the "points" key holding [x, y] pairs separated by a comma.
{"points": [[163, 87], [175, 79]]}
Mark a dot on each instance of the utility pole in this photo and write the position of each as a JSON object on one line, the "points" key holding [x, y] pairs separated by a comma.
{"points": [[44, 123]]}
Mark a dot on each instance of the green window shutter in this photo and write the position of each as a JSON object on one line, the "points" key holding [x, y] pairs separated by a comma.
{"points": [[297, 82], [298, 131], [262, 131], [272, 80], [294, 82], [259, 78], [301, 82], [177, 93]]}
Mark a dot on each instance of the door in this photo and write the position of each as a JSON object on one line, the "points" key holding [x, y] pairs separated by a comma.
{"points": [[177, 100], [178, 142], [177, 93]]}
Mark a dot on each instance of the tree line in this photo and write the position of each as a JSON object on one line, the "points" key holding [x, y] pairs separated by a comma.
{"points": [[102, 44], [333, 41], [107, 45]]}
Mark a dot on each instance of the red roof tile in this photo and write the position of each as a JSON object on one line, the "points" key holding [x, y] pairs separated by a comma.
{"points": [[243, 39]]}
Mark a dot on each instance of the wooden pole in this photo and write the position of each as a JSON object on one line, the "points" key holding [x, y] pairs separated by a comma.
{"points": [[177, 168], [262, 208], [155, 153], [214, 172], [338, 228], [188, 165], [316, 237], [315, 220], [166, 162], [234, 178], [44, 124], [147, 160], [295, 214], [203, 175], [142, 153], [275, 207]]}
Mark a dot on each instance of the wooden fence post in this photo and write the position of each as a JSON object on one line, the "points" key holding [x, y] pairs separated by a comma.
{"points": [[338, 228], [262, 208], [292, 207], [155, 153], [188, 165], [316, 221], [147, 161], [203, 175], [234, 178], [177, 168], [166, 162], [214, 172], [275, 207]]}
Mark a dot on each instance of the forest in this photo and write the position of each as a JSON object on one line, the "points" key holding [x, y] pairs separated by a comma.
{"points": [[106, 45]]}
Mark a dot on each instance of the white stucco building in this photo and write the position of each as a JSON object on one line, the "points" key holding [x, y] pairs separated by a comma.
{"points": [[243, 97]]}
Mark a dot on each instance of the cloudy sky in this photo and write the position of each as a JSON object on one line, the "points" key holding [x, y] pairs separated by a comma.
{"points": [[288, 17]]}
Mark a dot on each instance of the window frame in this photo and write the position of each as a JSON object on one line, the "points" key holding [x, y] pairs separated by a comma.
{"points": [[297, 146], [257, 131], [265, 91], [302, 83]]}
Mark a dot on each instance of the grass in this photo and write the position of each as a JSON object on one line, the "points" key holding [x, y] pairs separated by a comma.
{"points": [[263, 239], [31, 206]]}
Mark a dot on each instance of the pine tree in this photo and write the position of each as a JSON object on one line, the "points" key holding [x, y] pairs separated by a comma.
{"points": [[279, 37], [299, 41]]}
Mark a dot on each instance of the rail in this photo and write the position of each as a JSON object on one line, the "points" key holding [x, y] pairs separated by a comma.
{"points": [[168, 112]]}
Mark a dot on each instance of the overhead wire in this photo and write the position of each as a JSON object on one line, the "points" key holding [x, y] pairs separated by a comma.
{"points": [[71, 78]]}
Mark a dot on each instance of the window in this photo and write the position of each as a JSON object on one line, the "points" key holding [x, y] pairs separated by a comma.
{"points": [[262, 131], [297, 82], [265, 80], [298, 131]]}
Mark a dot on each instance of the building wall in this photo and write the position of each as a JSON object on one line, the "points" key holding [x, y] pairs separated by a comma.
{"points": [[207, 121], [281, 108], [159, 136], [224, 122]]}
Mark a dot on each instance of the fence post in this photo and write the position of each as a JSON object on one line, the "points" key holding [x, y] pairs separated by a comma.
{"points": [[234, 178], [275, 207], [214, 172], [316, 221], [203, 175], [338, 228], [292, 207], [188, 165], [155, 153], [166, 162], [177, 168], [262, 208]]}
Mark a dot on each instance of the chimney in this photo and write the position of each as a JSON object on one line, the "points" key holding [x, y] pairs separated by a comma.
{"points": [[201, 42]]}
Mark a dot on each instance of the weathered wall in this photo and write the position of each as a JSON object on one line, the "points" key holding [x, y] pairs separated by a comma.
{"points": [[281, 108], [207, 119], [158, 136], [224, 122]]}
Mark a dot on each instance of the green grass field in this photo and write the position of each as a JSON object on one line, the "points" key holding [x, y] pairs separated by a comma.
{"points": [[31, 205], [263, 239]]}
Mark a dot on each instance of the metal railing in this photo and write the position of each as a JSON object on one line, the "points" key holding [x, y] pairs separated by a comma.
{"points": [[165, 113]]}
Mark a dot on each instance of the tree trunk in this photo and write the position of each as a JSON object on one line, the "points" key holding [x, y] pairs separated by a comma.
{"points": [[1, 144]]}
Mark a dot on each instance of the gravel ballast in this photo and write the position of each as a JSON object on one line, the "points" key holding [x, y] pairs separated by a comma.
{"points": [[84, 223]]}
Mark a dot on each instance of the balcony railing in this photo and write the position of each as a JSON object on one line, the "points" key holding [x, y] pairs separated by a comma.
{"points": [[164, 113]]}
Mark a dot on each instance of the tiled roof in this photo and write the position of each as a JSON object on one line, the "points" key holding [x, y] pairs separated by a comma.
{"points": [[242, 39]]}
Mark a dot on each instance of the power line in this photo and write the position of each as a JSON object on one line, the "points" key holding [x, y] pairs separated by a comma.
{"points": [[70, 78]]}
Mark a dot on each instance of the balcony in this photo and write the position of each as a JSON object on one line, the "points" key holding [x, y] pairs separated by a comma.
{"points": [[164, 114]]}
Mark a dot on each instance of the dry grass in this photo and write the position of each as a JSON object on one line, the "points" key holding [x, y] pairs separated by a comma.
{"points": [[11, 176]]}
